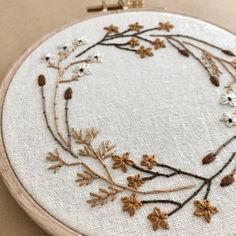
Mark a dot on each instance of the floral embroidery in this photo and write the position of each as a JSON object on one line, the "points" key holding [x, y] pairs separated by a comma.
{"points": [[135, 181], [122, 162], [131, 204], [136, 27], [157, 43], [82, 69], [229, 119], [205, 209], [149, 161], [167, 26], [111, 29], [133, 42], [228, 98], [144, 52], [80, 41], [79, 66], [159, 219], [96, 57]]}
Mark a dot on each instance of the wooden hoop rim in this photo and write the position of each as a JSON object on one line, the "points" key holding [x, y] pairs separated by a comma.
{"points": [[36, 212]]}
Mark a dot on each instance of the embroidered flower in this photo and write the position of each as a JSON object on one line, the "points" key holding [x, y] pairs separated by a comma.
{"points": [[135, 27], [228, 98], [65, 47], [96, 57], [111, 29], [229, 119], [144, 52], [122, 161], [131, 204], [82, 69], [133, 42], [165, 26], [158, 43], [205, 209], [159, 219], [80, 41], [149, 161], [48, 57], [135, 181]]}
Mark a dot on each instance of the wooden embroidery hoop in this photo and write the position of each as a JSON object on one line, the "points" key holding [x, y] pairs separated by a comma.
{"points": [[37, 213]]}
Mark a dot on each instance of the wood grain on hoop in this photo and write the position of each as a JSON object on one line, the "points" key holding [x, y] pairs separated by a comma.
{"points": [[25, 200]]}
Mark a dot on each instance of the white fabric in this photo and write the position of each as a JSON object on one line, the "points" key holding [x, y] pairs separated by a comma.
{"points": [[163, 105]]}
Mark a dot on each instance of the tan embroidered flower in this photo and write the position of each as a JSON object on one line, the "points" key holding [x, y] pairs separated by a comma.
{"points": [[158, 43], [131, 204], [159, 219], [205, 209], [136, 27], [133, 42], [165, 26], [149, 161], [144, 52], [135, 181], [111, 29], [122, 161]]}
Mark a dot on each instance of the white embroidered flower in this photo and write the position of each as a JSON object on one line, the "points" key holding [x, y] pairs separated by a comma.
{"points": [[228, 98], [82, 69], [80, 41], [48, 57], [96, 57], [229, 119], [65, 47]]}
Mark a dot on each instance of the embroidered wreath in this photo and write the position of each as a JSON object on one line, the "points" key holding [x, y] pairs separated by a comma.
{"points": [[71, 68]]}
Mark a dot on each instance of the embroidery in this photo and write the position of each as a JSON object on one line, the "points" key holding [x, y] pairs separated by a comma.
{"points": [[149, 169]]}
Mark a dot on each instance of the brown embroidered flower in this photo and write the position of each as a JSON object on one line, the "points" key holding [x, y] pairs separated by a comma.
{"points": [[144, 52], [159, 219], [131, 204], [122, 161], [133, 42], [149, 161], [135, 181], [136, 27], [205, 209], [111, 29], [165, 26], [158, 43]]}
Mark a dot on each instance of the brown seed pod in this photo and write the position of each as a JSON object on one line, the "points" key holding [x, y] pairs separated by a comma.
{"points": [[41, 80], [214, 80], [68, 94], [229, 53], [184, 52], [208, 158], [227, 180]]}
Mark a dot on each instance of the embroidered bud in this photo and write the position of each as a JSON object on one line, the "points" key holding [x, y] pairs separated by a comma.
{"points": [[208, 158], [41, 80], [227, 180], [214, 80], [184, 52], [229, 53], [68, 94]]}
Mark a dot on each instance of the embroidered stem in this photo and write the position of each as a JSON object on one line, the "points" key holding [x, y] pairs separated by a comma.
{"points": [[67, 123], [161, 201]]}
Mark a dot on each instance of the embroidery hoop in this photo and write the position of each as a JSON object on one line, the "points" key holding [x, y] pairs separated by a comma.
{"points": [[33, 209]]}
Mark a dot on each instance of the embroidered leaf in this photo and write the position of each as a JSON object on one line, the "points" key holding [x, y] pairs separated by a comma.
{"points": [[78, 136], [103, 196], [106, 149], [87, 152], [85, 136], [229, 53], [86, 178], [227, 180]]}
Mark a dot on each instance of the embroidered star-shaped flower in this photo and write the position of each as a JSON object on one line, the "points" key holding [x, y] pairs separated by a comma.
{"points": [[144, 52], [205, 209], [135, 27], [149, 161], [111, 29], [159, 219], [122, 162], [135, 181], [158, 43], [133, 42], [131, 204], [167, 26]]}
